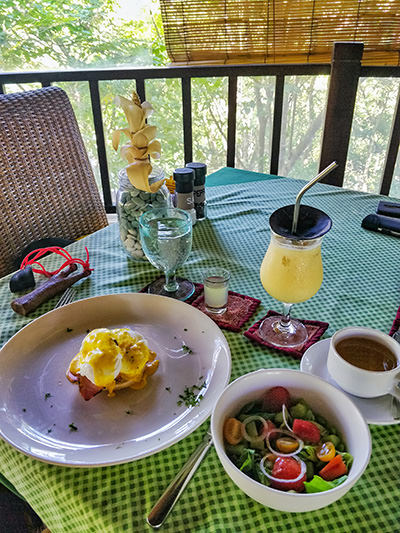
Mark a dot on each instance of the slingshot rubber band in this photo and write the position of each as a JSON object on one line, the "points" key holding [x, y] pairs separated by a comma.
{"points": [[33, 259]]}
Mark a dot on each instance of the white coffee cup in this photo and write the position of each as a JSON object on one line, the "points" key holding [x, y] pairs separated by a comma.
{"points": [[360, 382]]}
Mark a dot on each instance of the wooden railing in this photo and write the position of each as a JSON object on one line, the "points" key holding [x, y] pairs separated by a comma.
{"points": [[344, 70]]}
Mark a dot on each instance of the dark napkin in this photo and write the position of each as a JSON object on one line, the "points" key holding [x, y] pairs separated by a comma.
{"points": [[240, 309], [198, 288], [315, 331], [396, 325]]}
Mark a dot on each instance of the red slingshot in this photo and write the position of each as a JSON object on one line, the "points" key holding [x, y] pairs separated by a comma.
{"points": [[33, 259]]}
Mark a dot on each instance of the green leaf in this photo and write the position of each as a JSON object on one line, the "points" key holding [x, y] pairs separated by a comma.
{"points": [[317, 484], [308, 453], [248, 462], [347, 459]]}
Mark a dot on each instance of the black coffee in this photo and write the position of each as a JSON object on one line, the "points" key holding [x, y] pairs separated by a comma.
{"points": [[366, 353]]}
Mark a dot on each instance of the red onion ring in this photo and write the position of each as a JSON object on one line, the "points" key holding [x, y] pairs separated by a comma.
{"points": [[303, 469], [284, 415], [290, 434], [263, 433]]}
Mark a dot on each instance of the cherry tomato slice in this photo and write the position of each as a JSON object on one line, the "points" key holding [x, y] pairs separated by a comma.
{"points": [[326, 452], [286, 444]]}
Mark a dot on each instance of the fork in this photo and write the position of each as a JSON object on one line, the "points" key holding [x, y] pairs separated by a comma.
{"points": [[66, 298]]}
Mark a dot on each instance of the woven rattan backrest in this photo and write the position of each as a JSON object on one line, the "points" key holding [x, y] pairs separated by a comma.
{"points": [[47, 184]]}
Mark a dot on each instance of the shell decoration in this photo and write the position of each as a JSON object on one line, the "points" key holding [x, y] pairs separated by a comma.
{"points": [[142, 143]]}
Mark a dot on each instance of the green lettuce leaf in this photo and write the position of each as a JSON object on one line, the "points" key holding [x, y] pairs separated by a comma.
{"points": [[308, 453], [248, 462], [317, 484], [347, 459]]}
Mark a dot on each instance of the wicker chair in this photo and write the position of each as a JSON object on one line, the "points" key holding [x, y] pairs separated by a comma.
{"points": [[47, 184]]}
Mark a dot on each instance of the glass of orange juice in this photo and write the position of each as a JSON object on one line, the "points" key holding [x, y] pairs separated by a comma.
{"points": [[292, 271]]}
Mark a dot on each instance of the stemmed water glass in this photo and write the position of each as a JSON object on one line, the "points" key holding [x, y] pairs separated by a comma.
{"points": [[166, 238]]}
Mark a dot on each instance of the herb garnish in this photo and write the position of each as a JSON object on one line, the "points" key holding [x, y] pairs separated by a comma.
{"points": [[72, 427], [186, 349], [69, 330], [128, 412], [168, 389], [24, 410], [47, 395], [189, 397]]}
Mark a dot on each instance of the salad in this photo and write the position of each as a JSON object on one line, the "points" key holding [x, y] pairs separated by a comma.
{"points": [[281, 442]]}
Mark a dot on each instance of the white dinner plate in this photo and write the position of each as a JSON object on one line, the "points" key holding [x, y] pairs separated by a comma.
{"points": [[40, 408], [375, 410]]}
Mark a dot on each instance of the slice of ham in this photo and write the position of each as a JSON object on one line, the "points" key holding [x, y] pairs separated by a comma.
{"points": [[86, 387]]}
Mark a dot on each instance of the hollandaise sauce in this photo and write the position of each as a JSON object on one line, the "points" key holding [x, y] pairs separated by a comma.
{"points": [[113, 359]]}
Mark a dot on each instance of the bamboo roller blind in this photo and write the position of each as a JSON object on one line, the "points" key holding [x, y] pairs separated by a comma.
{"points": [[279, 31]]}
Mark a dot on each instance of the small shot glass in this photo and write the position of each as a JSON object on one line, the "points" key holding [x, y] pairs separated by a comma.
{"points": [[216, 281]]}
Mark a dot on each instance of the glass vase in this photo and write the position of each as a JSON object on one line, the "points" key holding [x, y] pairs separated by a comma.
{"points": [[131, 203]]}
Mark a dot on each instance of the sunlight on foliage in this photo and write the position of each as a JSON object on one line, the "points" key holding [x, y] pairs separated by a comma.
{"points": [[61, 34], [210, 116], [375, 104]]}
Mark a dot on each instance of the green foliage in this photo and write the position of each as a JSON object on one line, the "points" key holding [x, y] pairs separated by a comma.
{"points": [[73, 34], [52, 34]]}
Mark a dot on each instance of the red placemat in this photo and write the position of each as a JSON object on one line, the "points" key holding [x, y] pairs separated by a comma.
{"points": [[240, 309], [315, 331]]}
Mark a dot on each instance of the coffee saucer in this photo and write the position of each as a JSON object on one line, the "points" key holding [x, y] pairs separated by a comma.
{"points": [[375, 410]]}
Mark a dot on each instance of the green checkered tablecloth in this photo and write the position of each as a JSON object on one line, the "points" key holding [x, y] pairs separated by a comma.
{"points": [[235, 176], [361, 287]]}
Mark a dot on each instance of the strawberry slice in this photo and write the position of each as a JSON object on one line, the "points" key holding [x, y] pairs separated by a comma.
{"points": [[287, 468], [274, 399], [306, 430]]}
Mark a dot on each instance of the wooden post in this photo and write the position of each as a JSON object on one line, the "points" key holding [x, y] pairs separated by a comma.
{"points": [[277, 124], [345, 72], [186, 84], [232, 104]]}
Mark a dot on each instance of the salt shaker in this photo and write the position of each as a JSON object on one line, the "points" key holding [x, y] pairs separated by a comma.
{"points": [[184, 182], [199, 190]]}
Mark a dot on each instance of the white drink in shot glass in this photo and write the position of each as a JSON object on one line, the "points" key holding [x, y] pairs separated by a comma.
{"points": [[216, 281]]}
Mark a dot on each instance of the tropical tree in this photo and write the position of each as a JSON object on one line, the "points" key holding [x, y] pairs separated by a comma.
{"points": [[54, 34]]}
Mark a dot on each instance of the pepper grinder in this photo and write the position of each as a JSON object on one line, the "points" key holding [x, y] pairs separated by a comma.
{"points": [[184, 183], [199, 191]]}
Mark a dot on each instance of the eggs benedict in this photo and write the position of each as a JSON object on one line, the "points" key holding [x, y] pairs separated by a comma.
{"points": [[112, 360]]}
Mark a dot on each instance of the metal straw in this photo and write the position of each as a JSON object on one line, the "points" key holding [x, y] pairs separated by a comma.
{"points": [[307, 186]]}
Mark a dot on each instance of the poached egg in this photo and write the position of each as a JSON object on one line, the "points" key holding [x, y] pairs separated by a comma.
{"points": [[113, 359]]}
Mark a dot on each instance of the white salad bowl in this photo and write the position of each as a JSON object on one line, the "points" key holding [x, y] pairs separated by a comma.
{"points": [[325, 400]]}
